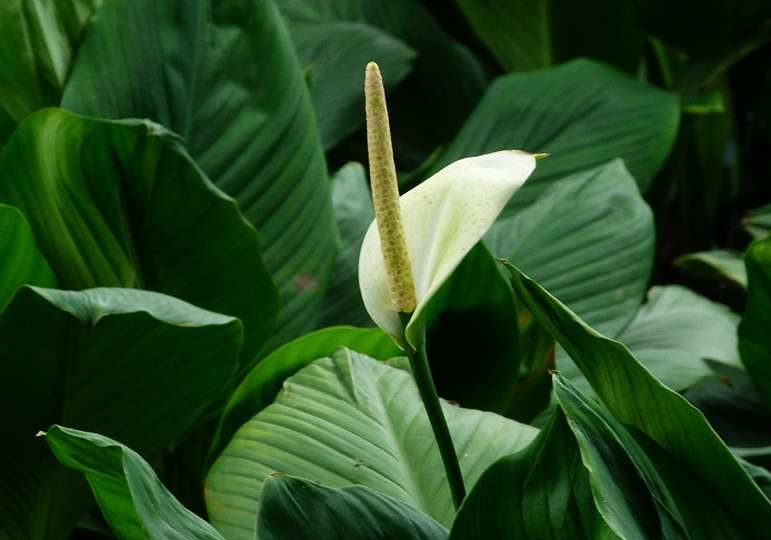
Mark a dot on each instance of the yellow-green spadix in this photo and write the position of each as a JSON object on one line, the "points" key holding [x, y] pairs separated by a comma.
{"points": [[437, 222]]}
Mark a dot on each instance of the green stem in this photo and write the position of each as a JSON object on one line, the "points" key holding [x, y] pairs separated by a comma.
{"points": [[421, 372]]}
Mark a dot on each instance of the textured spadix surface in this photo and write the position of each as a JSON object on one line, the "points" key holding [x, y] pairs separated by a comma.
{"points": [[444, 217]]}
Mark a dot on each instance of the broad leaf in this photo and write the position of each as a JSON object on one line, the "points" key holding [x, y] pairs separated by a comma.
{"points": [[352, 420], [715, 264], [119, 204], [22, 263], [589, 239], [224, 76], [583, 113], [637, 398], [134, 365], [303, 510], [134, 502], [38, 46], [334, 53], [353, 209], [542, 492], [261, 385], [532, 34], [432, 101], [754, 329]]}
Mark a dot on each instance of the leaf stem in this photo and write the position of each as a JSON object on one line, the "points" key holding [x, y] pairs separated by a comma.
{"points": [[421, 373]]}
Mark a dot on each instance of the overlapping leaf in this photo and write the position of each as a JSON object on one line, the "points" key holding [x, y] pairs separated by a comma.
{"points": [[135, 365], [224, 76], [352, 420]]}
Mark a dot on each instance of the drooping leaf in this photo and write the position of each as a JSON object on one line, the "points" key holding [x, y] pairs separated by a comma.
{"points": [[589, 239], [135, 503], [353, 209], [38, 46], [135, 365], [119, 204], [638, 399], [434, 99], [582, 113], [304, 510], [754, 344], [542, 492], [684, 505], [720, 264], [224, 76], [352, 420], [261, 385], [444, 218], [22, 263]]}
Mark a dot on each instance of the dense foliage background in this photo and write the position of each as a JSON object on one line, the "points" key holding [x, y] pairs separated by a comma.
{"points": [[183, 197]]}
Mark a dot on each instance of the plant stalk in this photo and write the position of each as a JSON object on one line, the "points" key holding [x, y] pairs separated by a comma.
{"points": [[421, 373]]}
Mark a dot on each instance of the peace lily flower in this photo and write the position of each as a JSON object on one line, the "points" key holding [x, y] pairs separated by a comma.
{"points": [[418, 239]]}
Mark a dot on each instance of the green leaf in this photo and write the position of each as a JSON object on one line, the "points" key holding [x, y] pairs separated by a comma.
{"points": [[22, 262], [135, 365], [300, 509], [758, 222], [352, 420], [39, 43], [637, 398], [715, 264], [685, 506], [334, 52], [119, 204], [353, 209], [134, 502], [583, 113], [589, 239], [531, 34], [433, 100], [541, 492], [224, 76], [260, 387], [474, 315], [754, 329]]}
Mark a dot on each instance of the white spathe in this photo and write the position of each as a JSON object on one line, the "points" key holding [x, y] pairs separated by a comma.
{"points": [[444, 217]]}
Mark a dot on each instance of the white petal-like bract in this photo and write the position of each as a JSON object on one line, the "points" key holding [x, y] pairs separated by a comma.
{"points": [[444, 217]]}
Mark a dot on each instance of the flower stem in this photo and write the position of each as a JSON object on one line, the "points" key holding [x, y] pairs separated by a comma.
{"points": [[421, 372]]}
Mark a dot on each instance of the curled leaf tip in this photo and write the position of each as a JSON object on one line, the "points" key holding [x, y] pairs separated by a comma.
{"points": [[385, 194]]}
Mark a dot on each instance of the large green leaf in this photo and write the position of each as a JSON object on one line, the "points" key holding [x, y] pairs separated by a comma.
{"points": [[532, 34], [38, 45], [589, 239], [352, 420], [261, 385], [119, 204], [754, 342], [638, 399], [303, 510], [334, 53], [134, 502], [685, 506], [435, 98], [22, 262], [224, 76], [135, 365], [583, 113], [542, 492], [354, 212]]}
